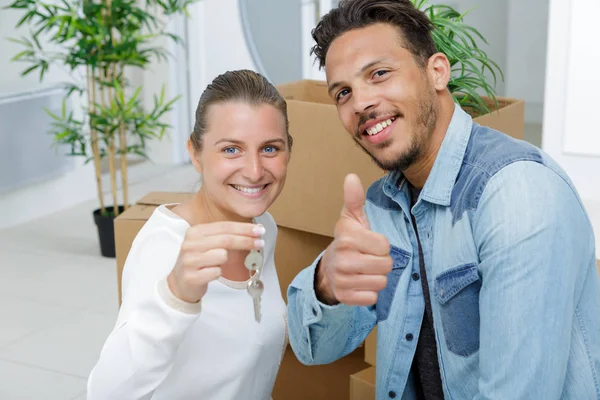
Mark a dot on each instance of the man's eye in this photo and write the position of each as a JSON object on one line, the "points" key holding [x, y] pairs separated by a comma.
{"points": [[342, 93], [380, 73]]}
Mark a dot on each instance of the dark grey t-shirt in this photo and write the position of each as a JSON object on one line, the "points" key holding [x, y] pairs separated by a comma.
{"points": [[425, 367]]}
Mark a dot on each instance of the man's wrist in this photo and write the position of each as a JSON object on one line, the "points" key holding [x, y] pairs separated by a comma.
{"points": [[322, 287]]}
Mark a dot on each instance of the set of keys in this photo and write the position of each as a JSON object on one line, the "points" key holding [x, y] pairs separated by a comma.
{"points": [[254, 264]]}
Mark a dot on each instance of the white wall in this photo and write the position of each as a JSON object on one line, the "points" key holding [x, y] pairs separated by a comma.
{"points": [[583, 84], [562, 122], [77, 185], [526, 56], [71, 188], [10, 78], [490, 18], [583, 167], [516, 32], [173, 75], [217, 44]]}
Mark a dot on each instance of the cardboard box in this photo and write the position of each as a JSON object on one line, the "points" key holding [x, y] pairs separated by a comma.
{"points": [[362, 385], [324, 153], [296, 381], [371, 348], [294, 251]]}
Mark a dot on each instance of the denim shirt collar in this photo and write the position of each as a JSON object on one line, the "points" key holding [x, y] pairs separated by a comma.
{"points": [[439, 184]]}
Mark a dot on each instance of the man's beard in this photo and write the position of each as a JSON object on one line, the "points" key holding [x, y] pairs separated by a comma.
{"points": [[425, 124]]}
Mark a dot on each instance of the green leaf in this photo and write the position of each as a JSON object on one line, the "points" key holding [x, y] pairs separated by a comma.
{"points": [[22, 54], [30, 69]]}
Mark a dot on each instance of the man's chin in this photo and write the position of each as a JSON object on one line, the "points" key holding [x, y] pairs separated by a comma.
{"points": [[397, 163]]}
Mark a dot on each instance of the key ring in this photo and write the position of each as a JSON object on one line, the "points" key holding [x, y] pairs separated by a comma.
{"points": [[254, 263]]}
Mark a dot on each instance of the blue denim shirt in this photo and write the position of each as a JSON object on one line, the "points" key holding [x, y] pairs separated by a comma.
{"points": [[509, 255]]}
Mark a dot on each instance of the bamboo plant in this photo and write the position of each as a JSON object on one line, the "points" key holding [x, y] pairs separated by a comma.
{"points": [[102, 41], [468, 62]]}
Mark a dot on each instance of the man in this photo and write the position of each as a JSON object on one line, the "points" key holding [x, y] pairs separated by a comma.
{"points": [[473, 256]]}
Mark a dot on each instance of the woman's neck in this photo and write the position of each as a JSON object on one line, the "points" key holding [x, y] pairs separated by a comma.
{"points": [[203, 210]]}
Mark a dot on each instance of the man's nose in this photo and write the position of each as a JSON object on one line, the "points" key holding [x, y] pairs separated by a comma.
{"points": [[364, 99]]}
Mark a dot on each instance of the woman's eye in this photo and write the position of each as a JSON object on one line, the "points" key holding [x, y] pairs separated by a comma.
{"points": [[380, 73], [271, 149], [230, 150]]}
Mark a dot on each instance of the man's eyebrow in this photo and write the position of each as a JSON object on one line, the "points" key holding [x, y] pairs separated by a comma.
{"points": [[336, 85]]}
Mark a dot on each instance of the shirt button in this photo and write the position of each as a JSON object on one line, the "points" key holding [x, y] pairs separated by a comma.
{"points": [[392, 394], [415, 276], [409, 336]]}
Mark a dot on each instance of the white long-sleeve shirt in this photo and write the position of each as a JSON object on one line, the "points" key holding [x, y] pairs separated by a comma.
{"points": [[157, 351]]}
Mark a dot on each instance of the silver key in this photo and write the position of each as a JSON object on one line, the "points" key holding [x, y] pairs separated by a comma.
{"points": [[254, 261], [255, 290]]}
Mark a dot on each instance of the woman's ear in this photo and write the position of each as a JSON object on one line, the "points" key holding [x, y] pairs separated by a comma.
{"points": [[194, 155]]}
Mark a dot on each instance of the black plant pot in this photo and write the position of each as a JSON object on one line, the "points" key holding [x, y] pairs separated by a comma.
{"points": [[106, 231]]}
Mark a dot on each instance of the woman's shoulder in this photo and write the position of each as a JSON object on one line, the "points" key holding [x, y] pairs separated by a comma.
{"points": [[163, 226]]}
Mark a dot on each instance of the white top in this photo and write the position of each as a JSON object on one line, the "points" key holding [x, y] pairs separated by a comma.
{"points": [[159, 351]]}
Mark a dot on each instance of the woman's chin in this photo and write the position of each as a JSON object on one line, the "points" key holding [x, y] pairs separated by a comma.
{"points": [[251, 211]]}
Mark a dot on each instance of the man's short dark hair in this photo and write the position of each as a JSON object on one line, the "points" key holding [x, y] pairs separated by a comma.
{"points": [[414, 26]]}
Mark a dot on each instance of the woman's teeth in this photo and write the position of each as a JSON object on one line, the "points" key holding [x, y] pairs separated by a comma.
{"points": [[374, 130], [247, 189]]}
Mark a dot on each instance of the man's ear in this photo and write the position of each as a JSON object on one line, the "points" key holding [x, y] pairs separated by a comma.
{"points": [[438, 69], [194, 156]]}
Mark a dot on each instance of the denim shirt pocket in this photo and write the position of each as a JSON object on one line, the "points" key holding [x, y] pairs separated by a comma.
{"points": [[386, 296], [457, 292]]}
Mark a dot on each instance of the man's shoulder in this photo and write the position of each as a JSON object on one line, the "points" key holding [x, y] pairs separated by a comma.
{"points": [[488, 152]]}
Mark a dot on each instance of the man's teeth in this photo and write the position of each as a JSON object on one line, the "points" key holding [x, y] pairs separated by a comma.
{"points": [[247, 189], [374, 130]]}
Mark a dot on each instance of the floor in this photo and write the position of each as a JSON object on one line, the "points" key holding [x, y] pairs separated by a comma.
{"points": [[58, 297]]}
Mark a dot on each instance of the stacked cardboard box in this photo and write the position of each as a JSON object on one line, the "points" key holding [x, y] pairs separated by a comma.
{"points": [[362, 385]]}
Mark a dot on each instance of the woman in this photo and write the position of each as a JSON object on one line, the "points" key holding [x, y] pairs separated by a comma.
{"points": [[187, 327]]}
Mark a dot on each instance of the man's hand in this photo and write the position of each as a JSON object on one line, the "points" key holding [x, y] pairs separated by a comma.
{"points": [[354, 267]]}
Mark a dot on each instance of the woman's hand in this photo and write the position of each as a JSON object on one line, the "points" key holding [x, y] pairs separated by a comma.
{"points": [[204, 250]]}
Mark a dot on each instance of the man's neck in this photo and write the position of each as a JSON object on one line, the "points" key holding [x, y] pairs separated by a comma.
{"points": [[419, 171]]}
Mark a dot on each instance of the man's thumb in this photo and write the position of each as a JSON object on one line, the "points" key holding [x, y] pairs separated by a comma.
{"points": [[354, 200]]}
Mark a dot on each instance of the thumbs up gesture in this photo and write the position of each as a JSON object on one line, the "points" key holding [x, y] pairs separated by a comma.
{"points": [[354, 267]]}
